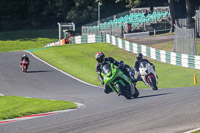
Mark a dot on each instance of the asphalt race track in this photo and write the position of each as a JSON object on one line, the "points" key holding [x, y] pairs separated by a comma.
{"points": [[164, 111]]}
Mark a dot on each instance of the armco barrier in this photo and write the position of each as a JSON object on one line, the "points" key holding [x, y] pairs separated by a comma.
{"points": [[88, 39], [184, 60], [81, 39], [54, 43]]}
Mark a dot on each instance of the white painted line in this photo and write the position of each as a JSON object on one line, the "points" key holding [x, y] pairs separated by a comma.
{"points": [[80, 105], [63, 71], [198, 129]]}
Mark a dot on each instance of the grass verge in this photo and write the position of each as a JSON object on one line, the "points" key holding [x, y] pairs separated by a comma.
{"points": [[169, 46], [78, 60], [196, 131], [22, 40], [15, 106]]}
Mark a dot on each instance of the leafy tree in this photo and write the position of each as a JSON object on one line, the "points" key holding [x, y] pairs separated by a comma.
{"points": [[31, 14], [110, 7], [131, 3], [87, 11], [83, 11], [172, 12], [182, 9], [144, 3]]}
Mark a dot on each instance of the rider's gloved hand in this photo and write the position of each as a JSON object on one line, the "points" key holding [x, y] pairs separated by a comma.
{"points": [[138, 73], [120, 66], [100, 79]]}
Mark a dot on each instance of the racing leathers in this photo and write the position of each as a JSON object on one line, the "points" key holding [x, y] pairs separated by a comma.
{"points": [[129, 71], [107, 60], [26, 59], [137, 65]]}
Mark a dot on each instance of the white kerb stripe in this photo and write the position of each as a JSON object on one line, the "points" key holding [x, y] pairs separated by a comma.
{"points": [[197, 62], [163, 55], [120, 42], [91, 38], [135, 48], [107, 38], [144, 50], [173, 58], [184, 59], [191, 131], [153, 53], [78, 39], [127, 45], [113, 40]]}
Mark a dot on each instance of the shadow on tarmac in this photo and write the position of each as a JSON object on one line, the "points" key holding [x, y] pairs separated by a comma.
{"points": [[155, 95]]}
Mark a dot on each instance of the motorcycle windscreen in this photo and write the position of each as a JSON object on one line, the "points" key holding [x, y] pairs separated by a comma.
{"points": [[106, 69], [143, 64]]}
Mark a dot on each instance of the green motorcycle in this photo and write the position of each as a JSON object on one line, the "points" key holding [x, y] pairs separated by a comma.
{"points": [[119, 82]]}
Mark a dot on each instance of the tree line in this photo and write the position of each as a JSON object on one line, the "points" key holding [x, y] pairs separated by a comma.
{"points": [[37, 14]]}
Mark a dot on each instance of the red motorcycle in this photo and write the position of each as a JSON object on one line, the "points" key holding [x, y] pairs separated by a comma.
{"points": [[24, 65]]}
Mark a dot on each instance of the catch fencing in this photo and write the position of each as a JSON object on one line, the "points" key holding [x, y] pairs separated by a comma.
{"points": [[197, 23], [115, 29], [185, 41]]}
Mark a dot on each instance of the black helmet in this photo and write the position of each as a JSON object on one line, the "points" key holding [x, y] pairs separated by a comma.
{"points": [[99, 57], [139, 57], [24, 55]]}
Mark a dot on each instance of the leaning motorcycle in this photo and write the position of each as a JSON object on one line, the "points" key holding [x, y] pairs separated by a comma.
{"points": [[148, 75], [24, 65], [119, 82]]}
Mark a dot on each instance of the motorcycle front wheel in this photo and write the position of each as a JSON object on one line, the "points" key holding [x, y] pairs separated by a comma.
{"points": [[124, 91], [24, 69], [153, 83], [136, 94]]}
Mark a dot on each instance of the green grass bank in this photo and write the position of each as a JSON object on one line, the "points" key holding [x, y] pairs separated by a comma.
{"points": [[78, 60], [15, 106], [23, 40]]}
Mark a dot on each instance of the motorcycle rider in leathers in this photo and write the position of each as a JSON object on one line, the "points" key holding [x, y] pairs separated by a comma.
{"points": [[24, 57], [140, 59], [128, 71], [101, 60]]}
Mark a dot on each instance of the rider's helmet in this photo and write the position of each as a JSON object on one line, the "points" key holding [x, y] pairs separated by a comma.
{"points": [[24, 55], [100, 57], [139, 57], [121, 62]]}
